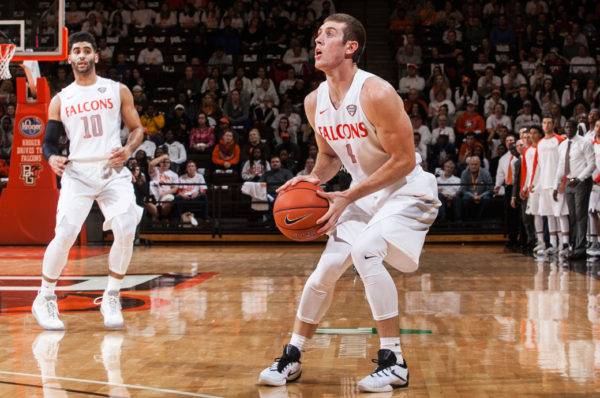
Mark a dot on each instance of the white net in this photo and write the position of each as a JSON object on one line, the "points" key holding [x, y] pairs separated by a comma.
{"points": [[6, 53]]}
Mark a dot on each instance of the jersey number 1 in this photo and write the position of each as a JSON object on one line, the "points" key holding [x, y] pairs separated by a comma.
{"points": [[350, 153], [96, 126]]}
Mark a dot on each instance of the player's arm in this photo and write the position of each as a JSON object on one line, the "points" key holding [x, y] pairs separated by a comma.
{"points": [[136, 131], [385, 109], [327, 163], [54, 130]]}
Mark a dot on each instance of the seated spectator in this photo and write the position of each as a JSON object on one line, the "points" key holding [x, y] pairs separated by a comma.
{"points": [[465, 94], [487, 82], [179, 122], [189, 17], [165, 18], [442, 113], [275, 177], [526, 118], [253, 37], [513, 80], [441, 100], [6, 137], [255, 142], [443, 128], [153, 121], [288, 154], [150, 55], [296, 95], [218, 87], [496, 120], [142, 16], [93, 25], [491, 102], [160, 172], [440, 85], [226, 154], [518, 99], [139, 97], [475, 189], [105, 53], [211, 109], [283, 132], [423, 130], [264, 116], [221, 61], [571, 93], [296, 56], [288, 82], [441, 151], [420, 147], [468, 148], [409, 54], [415, 99], [237, 111], [287, 110], [555, 113], [496, 141], [176, 151], [412, 80], [189, 85], [261, 74], [266, 89], [449, 192], [590, 93], [117, 26], [309, 165], [255, 167], [583, 65], [192, 198], [148, 147], [240, 75], [546, 94], [202, 136]]}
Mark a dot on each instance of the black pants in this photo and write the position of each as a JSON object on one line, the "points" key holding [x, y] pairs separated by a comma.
{"points": [[578, 199], [527, 234], [512, 218]]}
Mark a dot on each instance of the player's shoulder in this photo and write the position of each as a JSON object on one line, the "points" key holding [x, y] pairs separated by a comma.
{"points": [[375, 90], [310, 101]]}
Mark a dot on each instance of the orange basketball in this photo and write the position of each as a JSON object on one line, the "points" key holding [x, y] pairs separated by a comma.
{"points": [[297, 210]]}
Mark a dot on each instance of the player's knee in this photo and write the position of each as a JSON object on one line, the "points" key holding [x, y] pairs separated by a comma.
{"points": [[65, 235], [328, 271], [364, 252], [124, 227]]}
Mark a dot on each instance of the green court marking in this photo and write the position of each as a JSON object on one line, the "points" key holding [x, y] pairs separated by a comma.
{"points": [[367, 331]]}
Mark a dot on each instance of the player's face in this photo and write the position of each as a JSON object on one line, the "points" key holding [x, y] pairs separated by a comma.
{"points": [[83, 58], [330, 49], [548, 125]]}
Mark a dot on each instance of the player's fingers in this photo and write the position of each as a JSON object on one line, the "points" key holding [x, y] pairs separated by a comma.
{"points": [[325, 217], [283, 187], [326, 195]]}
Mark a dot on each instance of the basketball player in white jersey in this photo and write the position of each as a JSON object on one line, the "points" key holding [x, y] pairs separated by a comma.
{"points": [[360, 123], [89, 111], [554, 207]]}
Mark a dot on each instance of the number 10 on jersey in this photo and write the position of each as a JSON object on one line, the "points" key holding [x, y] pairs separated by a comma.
{"points": [[92, 126]]}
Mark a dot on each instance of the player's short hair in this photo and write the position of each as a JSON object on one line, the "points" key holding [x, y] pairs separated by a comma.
{"points": [[354, 30], [78, 37], [537, 128]]}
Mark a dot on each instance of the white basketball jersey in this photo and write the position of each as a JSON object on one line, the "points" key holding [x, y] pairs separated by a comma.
{"points": [[92, 119], [350, 134]]}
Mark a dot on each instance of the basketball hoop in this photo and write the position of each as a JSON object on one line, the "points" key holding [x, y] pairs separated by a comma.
{"points": [[6, 53]]}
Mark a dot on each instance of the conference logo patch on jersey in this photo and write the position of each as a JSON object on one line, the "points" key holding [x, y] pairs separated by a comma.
{"points": [[351, 109], [31, 126], [102, 89], [30, 173]]}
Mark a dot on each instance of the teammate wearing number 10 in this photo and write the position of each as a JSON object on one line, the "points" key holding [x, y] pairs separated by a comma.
{"points": [[89, 111], [360, 123]]}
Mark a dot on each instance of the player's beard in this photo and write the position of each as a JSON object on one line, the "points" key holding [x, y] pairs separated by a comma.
{"points": [[87, 69]]}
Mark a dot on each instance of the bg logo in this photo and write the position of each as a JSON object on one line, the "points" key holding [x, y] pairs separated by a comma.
{"points": [[31, 126], [30, 173]]}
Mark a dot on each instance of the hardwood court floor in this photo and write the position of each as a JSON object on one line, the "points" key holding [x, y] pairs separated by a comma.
{"points": [[203, 321]]}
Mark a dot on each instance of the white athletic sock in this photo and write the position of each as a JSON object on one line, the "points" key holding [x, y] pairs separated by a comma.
{"points": [[553, 228], [113, 284], [47, 288], [539, 228], [298, 341], [554, 239], [392, 344]]}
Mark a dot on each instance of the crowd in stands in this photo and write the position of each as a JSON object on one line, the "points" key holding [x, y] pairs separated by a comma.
{"points": [[477, 78]]}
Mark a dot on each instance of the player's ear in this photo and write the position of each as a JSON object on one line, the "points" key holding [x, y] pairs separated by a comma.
{"points": [[96, 57], [351, 47]]}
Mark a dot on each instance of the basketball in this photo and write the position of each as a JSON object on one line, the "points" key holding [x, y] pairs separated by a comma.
{"points": [[297, 210]]}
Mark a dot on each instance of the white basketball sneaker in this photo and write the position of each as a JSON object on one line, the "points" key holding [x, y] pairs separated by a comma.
{"points": [[45, 312], [111, 309], [593, 250], [540, 248], [388, 375], [285, 369]]}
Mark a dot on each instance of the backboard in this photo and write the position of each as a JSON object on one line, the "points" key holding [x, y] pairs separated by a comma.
{"points": [[37, 28]]}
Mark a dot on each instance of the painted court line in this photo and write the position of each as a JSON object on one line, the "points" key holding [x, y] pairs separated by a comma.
{"points": [[367, 331], [104, 383]]}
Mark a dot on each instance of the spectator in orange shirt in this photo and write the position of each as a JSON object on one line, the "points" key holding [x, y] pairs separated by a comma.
{"points": [[468, 148], [469, 122], [226, 154]]}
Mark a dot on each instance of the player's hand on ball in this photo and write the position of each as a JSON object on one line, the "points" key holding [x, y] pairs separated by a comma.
{"points": [[297, 179], [337, 203], [118, 157], [58, 164]]}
